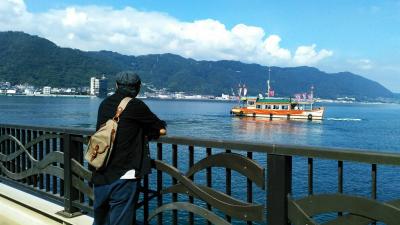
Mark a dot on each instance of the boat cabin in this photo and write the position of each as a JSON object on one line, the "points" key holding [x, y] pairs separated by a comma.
{"points": [[271, 103]]}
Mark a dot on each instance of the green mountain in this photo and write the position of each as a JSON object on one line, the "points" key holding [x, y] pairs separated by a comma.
{"points": [[26, 58]]}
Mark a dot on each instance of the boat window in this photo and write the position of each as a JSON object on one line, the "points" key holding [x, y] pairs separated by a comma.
{"points": [[286, 107], [276, 107], [268, 106], [258, 106], [250, 102]]}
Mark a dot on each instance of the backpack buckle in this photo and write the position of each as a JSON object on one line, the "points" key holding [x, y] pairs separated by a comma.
{"points": [[117, 114]]}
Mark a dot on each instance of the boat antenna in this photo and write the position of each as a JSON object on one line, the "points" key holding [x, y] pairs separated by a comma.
{"points": [[312, 92], [312, 96]]}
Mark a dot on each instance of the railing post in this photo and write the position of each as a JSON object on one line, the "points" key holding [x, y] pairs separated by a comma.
{"points": [[279, 185], [2, 148], [159, 184], [228, 184], [70, 151]]}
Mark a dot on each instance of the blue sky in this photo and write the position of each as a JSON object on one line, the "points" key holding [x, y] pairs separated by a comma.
{"points": [[359, 36]]}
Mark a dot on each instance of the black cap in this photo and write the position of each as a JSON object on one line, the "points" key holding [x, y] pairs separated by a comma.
{"points": [[128, 79]]}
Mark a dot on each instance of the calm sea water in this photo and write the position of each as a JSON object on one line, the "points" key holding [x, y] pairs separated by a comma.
{"points": [[365, 126], [373, 127]]}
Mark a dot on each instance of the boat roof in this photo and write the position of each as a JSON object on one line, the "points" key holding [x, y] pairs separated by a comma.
{"points": [[274, 100]]}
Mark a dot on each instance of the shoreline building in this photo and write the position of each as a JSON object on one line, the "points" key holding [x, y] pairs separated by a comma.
{"points": [[98, 87], [94, 86], [46, 90]]}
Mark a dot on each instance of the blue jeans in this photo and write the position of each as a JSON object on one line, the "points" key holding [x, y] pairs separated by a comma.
{"points": [[114, 204]]}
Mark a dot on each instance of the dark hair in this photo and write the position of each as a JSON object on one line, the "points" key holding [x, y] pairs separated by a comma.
{"points": [[128, 83], [128, 78]]}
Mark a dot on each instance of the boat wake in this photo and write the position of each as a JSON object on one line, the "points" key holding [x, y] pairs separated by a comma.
{"points": [[344, 119]]}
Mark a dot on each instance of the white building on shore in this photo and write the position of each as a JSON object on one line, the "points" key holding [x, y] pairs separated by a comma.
{"points": [[47, 90], [94, 86], [98, 87]]}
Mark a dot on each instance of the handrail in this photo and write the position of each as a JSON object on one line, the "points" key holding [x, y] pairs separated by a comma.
{"points": [[342, 154], [69, 130], [28, 160]]}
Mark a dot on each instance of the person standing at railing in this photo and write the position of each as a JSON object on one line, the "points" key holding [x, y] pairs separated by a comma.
{"points": [[116, 186]]}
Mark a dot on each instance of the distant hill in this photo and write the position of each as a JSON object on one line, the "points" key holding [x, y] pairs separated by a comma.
{"points": [[27, 58]]}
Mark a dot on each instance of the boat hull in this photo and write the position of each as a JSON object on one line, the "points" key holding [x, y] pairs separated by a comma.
{"points": [[315, 114]]}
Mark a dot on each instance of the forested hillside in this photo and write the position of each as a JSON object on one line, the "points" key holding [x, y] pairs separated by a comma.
{"points": [[26, 58]]}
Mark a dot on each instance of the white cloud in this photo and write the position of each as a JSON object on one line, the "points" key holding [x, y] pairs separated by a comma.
{"points": [[272, 48], [16, 7], [134, 32], [362, 64], [74, 18], [306, 55], [365, 64], [13, 12]]}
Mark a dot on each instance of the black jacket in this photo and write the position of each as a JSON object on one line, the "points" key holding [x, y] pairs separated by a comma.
{"points": [[129, 152]]}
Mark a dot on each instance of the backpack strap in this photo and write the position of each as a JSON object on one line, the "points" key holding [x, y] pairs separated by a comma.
{"points": [[121, 107]]}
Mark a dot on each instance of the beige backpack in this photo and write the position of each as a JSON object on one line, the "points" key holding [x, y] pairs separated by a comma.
{"points": [[101, 143]]}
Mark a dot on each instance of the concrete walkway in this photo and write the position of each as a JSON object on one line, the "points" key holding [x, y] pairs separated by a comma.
{"points": [[15, 213]]}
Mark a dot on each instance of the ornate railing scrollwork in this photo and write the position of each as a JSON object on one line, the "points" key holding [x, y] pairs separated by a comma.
{"points": [[225, 203], [50, 164], [361, 210], [202, 212]]}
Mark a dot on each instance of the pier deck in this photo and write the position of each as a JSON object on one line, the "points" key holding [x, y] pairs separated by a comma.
{"points": [[20, 208]]}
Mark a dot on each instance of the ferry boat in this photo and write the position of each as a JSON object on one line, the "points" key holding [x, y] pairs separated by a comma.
{"points": [[271, 107]]}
